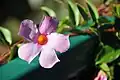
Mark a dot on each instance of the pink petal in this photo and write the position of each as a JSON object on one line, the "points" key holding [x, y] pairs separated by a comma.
{"points": [[96, 78], [29, 51], [48, 58], [101, 76], [48, 25], [59, 42]]}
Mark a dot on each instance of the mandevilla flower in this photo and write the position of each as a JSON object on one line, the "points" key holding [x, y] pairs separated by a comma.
{"points": [[101, 76], [42, 39]]}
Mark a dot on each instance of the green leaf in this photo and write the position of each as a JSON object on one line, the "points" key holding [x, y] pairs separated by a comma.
{"points": [[5, 34], [108, 55], [83, 12], [2, 39], [108, 70], [48, 11], [118, 52], [116, 10], [104, 67], [74, 14], [62, 25], [93, 11]]}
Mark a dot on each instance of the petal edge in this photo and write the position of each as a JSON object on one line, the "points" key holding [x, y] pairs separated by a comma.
{"points": [[48, 25], [28, 51], [48, 58]]}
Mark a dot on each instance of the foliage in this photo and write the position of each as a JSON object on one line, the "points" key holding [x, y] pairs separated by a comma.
{"points": [[5, 36], [81, 20], [48, 11], [93, 11], [74, 14]]}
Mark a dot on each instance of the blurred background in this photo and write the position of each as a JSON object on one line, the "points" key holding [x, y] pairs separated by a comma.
{"points": [[12, 12]]}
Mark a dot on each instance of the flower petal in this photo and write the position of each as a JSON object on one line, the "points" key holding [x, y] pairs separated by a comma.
{"points": [[27, 29], [101, 76], [59, 42], [48, 25], [48, 57], [29, 51]]}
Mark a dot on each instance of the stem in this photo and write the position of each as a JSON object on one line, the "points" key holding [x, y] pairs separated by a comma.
{"points": [[20, 41], [12, 49], [2, 58], [99, 38], [5, 55]]}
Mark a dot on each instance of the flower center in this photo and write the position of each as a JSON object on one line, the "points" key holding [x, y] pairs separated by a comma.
{"points": [[42, 39]]}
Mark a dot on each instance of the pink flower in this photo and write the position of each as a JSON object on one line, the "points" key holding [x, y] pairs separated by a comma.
{"points": [[42, 39], [101, 76]]}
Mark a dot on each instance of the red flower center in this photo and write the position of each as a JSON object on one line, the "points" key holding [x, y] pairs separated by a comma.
{"points": [[42, 39]]}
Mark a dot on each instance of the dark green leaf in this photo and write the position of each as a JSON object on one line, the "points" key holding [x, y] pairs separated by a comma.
{"points": [[5, 35], [48, 11], [83, 12], [74, 14], [93, 11]]}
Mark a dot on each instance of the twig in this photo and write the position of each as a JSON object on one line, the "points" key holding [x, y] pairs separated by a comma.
{"points": [[8, 53]]}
